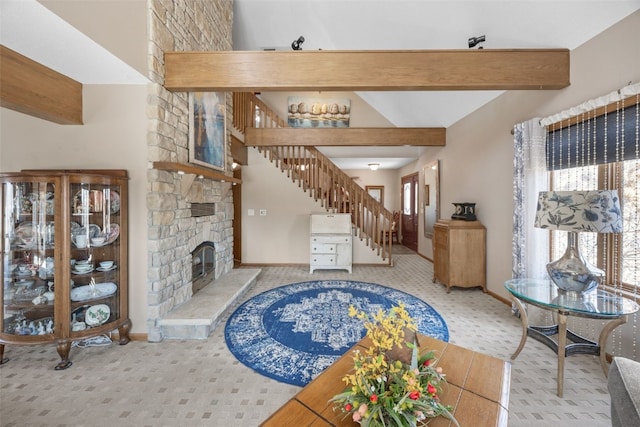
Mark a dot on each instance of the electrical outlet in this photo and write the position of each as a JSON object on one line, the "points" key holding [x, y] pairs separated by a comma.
{"points": [[263, 212]]}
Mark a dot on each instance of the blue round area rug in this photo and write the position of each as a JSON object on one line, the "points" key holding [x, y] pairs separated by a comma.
{"points": [[294, 332]]}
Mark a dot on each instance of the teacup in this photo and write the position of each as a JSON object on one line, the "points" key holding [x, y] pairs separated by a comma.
{"points": [[78, 326], [83, 267], [106, 264], [98, 240], [80, 240]]}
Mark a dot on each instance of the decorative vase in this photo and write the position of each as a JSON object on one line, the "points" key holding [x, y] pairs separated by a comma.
{"points": [[404, 353]]}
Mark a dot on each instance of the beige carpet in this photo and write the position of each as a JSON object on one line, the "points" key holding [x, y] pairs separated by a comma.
{"points": [[199, 383]]}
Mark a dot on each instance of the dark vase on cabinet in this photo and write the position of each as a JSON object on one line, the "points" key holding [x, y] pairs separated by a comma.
{"points": [[64, 258]]}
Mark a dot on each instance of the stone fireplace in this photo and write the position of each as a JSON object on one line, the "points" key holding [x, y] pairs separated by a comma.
{"points": [[175, 229]]}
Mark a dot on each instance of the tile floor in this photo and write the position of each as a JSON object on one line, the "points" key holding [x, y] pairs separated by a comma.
{"points": [[199, 383]]}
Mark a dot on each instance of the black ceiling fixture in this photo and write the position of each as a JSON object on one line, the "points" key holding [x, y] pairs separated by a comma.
{"points": [[297, 44], [474, 41]]}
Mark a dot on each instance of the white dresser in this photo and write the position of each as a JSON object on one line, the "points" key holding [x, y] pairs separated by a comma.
{"points": [[331, 245]]}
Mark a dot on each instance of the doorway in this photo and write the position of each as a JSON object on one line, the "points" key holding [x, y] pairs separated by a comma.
{"points": [[409, 203]]}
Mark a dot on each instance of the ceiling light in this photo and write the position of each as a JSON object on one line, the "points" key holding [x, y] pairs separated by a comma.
{"points": [[474, 41], [297, 44], [374, 166]]}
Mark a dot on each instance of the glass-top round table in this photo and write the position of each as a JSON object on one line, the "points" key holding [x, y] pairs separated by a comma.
{"points": [[598, 304]]}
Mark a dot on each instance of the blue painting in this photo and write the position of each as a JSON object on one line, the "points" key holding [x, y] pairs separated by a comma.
{"points": [[207, 129]]}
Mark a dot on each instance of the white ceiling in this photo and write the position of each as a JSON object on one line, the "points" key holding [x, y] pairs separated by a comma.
{"points": [[419, 24], [33, 30]]}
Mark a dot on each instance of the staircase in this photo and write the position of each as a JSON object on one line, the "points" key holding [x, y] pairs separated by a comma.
{"points": [[315, 174]]}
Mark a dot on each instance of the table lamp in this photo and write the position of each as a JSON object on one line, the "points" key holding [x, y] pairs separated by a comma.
{"points": [[578, 211]]}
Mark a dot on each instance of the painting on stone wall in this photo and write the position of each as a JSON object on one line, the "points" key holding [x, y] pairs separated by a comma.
{"points": [[207, 129], [306, 112]]}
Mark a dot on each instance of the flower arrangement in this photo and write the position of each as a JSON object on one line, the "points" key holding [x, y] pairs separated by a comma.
{"points": [[384, 391]]}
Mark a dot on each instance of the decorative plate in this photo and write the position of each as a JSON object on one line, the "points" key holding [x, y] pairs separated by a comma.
{"points": [[101, 290], [97, 314], [25, 234], [113, 267], [115, 201], [94, 230]]}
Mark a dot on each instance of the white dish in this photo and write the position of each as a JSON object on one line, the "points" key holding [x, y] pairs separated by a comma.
{"points": [[82, 271], [113, 267], [97, 314], [100, 290], [112, 235]]}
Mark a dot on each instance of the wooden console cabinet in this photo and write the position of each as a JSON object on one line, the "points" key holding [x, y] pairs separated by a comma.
{"points": [[459, 254], [64, 258]]}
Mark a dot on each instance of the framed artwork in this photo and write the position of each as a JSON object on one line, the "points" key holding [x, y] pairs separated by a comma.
{"points": [[208, 129], [376, 191], [306, 112]]}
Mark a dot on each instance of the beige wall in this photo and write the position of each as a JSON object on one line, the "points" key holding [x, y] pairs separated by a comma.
{"points": [[113, 137], [282, 236], [477, 163]]}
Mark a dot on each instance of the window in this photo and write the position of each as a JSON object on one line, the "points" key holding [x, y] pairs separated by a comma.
{"points": [[602, 152]]}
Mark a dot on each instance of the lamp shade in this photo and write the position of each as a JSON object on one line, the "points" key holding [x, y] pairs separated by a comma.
{"points": [[594, 211]]}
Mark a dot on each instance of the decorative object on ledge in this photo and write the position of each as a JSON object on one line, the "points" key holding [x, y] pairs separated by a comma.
{"points": [[465, 211], [195, 170], [576, 211]]}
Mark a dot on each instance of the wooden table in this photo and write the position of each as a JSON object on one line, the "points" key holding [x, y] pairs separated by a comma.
{"points": [[477, 387]]}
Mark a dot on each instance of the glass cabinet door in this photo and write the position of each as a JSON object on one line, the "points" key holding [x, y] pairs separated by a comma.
{"points": [[95, 255], [28, 261]]}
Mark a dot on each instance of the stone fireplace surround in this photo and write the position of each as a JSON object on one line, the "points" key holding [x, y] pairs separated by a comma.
{"points": [[173, 233]]}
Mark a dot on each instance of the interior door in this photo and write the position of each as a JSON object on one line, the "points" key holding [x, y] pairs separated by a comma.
{"points": [[409, 200]]}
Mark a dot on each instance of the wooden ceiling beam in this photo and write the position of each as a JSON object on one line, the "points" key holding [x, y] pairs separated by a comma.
{"points": [[410, 70], [317, 137], [31, 88]]}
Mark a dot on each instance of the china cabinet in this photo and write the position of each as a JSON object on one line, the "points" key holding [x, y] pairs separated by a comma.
{"points": [[64, 258], [459, 254]]}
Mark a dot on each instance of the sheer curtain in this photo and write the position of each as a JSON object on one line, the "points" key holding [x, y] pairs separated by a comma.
{"points": [[530, 245]]}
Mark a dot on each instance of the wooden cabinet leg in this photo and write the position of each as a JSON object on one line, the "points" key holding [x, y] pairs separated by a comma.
{"points": [[123, 333], [2, 358], [63, 350]]}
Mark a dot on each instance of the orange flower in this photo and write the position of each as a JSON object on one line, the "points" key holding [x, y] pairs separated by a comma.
{"points": [[374, 398], [414, 395]]}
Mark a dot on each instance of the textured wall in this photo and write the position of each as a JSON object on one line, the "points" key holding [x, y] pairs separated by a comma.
{"points": [[181, 25]]}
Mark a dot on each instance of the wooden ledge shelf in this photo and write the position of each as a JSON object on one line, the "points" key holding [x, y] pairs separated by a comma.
{"points": [[195, 170]]}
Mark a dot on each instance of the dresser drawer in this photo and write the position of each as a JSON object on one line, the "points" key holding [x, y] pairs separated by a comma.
{"points": [[323, 248], [331, 239], [324, 260]]}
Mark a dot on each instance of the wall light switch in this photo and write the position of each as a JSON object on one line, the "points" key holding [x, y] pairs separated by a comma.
{"points": [[251, 212], [263, 212]]}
